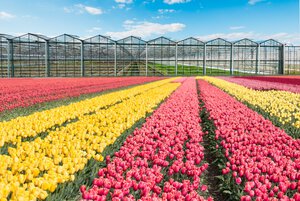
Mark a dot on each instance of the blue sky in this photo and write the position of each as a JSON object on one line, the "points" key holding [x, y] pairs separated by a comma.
{"points": [[176, 19]]}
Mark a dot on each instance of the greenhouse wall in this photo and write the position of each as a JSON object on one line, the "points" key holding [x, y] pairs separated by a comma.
{"points": [[33, 55], [4, 56]]}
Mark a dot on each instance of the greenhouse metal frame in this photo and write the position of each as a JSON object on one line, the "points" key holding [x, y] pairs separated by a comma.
{"points": [[131, 57], [5, 61], [34, 55], [99, 56], [65, 56]]}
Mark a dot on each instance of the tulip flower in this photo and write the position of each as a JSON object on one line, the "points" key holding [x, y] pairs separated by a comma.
{"points": [[158, 152], [260, 156]]}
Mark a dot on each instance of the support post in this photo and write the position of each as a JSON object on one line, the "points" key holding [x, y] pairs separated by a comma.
{"points": [[257, 59], [204, 60], [10, 58], [231, 59], [282, 60], [146, 59], [115, 59], [176, 59], [47, 64], [82, 59]]}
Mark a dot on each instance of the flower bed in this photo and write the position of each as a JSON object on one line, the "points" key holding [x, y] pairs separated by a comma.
{"points": [[161, 161], [15, 130], [263, 85], [294, 80], [285, 106], [260, 159], [16, 93], [33, 169]]}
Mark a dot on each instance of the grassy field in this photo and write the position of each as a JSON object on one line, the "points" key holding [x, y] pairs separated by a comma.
{"points": [[191, 70]]}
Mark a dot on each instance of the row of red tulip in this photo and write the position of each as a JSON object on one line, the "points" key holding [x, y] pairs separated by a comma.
{"points": [[263, 160], [294, 80], [163, 160], [263, 85], [25, 92]]}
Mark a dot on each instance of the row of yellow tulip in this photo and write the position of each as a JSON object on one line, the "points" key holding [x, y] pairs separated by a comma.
{"points": [[29, 126], [281, 104], [34, 168]]}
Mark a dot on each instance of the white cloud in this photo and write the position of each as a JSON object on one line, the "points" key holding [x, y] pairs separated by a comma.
{"points": [[89, 9], [145, 29], [122, 4], [80, 8], [281, 37], [162, 11], [124, 1], [236, 27], [93, 11], [5, 15], [253, 2], [175, 1]]}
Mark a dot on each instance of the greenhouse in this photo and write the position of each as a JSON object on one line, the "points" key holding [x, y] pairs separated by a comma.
{"points": [[292, 60], [5, 47], [161, 57], [218, 57], [34, 55], [270, 60], [29, 55], [99, 56], [245, 57], [131, 57], [190, 54], [65, 56]]}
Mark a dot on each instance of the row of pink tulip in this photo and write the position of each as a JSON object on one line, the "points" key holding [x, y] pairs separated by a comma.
{"points": [[263, 160], [263, 85], [163, 160], [16, 93], [294, 80]]}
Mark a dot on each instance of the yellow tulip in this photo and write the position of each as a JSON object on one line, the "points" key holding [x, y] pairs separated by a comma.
{"points": [[281, 104], [66, 151]]}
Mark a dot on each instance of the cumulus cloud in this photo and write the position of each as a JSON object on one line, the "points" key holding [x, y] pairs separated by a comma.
{"points": [[236, 27], [253, 2], [89, 9], [124, 1], [145, 29], [121, 4], [6, 15], [162, 11], [93, 11], [80, 8], [175, 1], [287, 38]]}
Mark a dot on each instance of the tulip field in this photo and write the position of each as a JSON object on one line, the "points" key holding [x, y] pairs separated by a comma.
{"points": [[150, 138]]}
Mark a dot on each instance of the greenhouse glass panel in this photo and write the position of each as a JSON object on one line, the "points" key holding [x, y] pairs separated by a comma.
{"points": [[4, 56], [65, 56], [99, 56], [190, 55], [245, 57], [270, 59], [292, 60], [29, 55], [218, 53], [161, 57], [131, 57]]}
